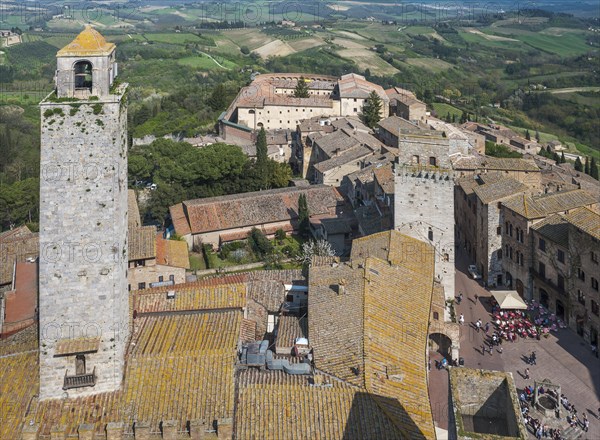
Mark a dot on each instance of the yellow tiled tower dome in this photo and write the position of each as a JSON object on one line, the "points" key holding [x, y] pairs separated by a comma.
{"points": [[88, 42], [86, 66]]}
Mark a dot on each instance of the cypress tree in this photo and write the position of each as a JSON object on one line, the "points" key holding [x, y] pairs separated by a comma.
{"points": [[594, 169], [371, 109], [301, 90], [562, 158], [578, 165], [587, 165], [528, 135]]}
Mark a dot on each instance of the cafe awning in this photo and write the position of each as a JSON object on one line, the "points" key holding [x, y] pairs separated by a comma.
{"points": [[509, 299]]}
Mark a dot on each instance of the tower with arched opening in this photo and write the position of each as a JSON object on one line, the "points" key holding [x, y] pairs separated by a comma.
{"points": [[86, 67], [83, 297]]}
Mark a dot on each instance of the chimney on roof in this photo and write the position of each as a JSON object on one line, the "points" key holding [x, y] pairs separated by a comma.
{"points": [[341, 288]]}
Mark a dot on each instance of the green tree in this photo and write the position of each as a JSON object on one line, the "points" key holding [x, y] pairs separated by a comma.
{"points": [[594, 169], [556, 157], [259, 243], [261, 148], [371, 110], [280, 235], [218, 98], [245, 50], [528, 135], [280, 174], [303, 216], [562, 158], [537, 136], [587, 165], [301, 90], [463, 118], [578, 165]]}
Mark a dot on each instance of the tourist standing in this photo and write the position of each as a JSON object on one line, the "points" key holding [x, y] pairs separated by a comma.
{"points": [[526, 373], [461, 319], [460, 298], [478, 325]]}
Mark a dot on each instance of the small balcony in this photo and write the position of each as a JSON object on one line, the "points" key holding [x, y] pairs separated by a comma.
{"points": [[80, 380]]}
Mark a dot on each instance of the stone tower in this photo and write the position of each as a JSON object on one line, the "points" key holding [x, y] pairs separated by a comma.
{"points": [[424, 196], [83, 299]]}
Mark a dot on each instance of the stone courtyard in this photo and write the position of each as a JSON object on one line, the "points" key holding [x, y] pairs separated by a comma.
{"points": [[563, 358]]}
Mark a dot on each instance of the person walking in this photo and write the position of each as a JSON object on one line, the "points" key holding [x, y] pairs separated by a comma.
{"points": [[586, 423], [500, 349], [487, 327], [478, 325], [526, 374], [461, 319], [460, 298], [532, 358], [476, 298]]}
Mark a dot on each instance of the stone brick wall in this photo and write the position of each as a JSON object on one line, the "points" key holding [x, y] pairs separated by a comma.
{"points": [[83, 239], [424, 209], [583, 319]]}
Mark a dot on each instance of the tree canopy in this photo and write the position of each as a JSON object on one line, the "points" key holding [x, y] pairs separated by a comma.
{"points": [[301, 90], [371, 110]]}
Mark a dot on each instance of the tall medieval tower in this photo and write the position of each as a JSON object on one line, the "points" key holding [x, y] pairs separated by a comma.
{"points": [[83, 304]]}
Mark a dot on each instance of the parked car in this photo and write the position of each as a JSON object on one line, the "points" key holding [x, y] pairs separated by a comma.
{"points": [[473, 272]]}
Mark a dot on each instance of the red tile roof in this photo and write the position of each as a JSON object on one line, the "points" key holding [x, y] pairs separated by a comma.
{"points": [[254, 208], [21, 302]]}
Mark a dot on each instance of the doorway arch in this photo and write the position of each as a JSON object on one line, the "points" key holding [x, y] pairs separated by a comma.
{"points": [[441, 343]]}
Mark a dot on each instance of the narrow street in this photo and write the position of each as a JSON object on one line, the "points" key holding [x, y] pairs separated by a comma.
{"points": [[562, 358]]}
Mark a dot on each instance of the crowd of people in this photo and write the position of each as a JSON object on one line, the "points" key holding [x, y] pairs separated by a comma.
{"points": [[531, 323], [541, 430]]}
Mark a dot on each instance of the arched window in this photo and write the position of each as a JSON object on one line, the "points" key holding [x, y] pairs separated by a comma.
{"points": [[83, 75]]}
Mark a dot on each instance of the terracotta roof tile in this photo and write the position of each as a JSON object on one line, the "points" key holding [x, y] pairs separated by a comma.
{"points": [[532, 207], [88, 42], [256, 208], [66, 347], [172, 253], [142, 243], [586, 220], [554, 228], [288, 329], [16, 248]]}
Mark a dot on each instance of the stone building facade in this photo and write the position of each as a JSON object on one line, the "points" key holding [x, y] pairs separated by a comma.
{"points": [[519, 214], [83, 300], [424, 202]]}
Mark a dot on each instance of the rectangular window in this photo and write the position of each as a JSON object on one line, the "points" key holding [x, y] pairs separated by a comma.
{"points": [[595, 308], [594, 257], [580, 274], [542, 270], [499, 230], [542, 245], [499, 254], [594, 283], [561, 283], [581, 297], [560, 256], [161, 279], [141, 286], [172, 278]]}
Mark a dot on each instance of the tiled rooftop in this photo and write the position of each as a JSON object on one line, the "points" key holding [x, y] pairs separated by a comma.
{"points": [[256, 208], [88, 43], [133, 211], [532, 207], [289, 328], [354, 329], [16, 247], [142, 243], [289, 407], [586, 220], [349, 156], [385, 178], [172, 253], [554, 228], [189, 296], [499, 189], [394, 124], [174, 334]]}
